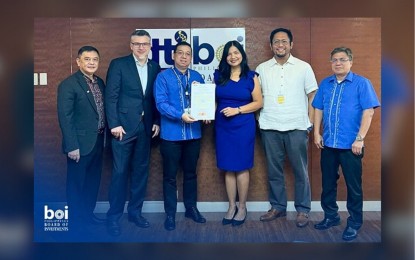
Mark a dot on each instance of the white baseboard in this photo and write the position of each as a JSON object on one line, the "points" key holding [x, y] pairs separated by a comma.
{"points": [[253, 206]]}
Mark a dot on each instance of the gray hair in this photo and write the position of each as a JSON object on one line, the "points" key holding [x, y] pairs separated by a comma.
{"points": [[140, 33], [346, 50]]}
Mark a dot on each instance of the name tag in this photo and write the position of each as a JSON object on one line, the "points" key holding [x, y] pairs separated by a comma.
{"points": [[280, 99]]}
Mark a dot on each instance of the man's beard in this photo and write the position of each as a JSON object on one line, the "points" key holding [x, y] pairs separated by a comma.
{"points": [[281, 55]]}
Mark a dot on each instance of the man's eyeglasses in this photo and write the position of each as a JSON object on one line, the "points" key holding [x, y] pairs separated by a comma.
{"points": [[140, 44], [341, 60], [185, 54], [278, 42]]}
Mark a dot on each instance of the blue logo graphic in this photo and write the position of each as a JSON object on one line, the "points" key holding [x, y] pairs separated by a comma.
{"points": [[180, 36], [166, 46]]}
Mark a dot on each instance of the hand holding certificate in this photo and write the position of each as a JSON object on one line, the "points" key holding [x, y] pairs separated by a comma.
{"points": [[203, 101]]}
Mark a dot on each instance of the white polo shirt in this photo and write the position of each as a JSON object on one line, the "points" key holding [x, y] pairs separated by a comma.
{"points": [[285, 88]]}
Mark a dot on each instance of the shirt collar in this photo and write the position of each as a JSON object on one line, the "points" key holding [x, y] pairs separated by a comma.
{"points": [[291, 60], [179, 72], [88, 79], [138, 63], [349, 77]]}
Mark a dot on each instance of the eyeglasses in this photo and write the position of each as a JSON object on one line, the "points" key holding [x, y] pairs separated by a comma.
{"points": [[278, 42], [334, 61], [140, 44], [182, 53]]}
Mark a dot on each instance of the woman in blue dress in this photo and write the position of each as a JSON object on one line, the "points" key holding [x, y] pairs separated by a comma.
{"points": [[238, 96]]}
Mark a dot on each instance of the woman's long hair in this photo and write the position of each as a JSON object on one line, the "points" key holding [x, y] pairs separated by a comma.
{"points": [[225, 68]]}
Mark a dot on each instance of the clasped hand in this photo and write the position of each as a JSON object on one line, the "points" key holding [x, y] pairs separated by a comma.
{"points": [[230, 111]]}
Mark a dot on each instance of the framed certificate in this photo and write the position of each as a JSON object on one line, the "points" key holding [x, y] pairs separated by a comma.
{"points": [[203, 101]]}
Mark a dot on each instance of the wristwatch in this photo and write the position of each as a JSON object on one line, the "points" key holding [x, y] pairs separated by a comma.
{"points": [[359, 138]]}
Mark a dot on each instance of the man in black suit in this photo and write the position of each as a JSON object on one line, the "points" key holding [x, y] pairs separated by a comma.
{"points": [[133, 120], [81, 116]]}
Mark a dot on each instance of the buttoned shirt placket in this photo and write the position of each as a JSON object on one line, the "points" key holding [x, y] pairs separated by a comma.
{"points": [[99, 102], [335, 103]]}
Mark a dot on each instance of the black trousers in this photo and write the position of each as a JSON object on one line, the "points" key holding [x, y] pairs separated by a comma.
{"points": [[186, 155], [83, 180], [351, 165], [130, 165]]}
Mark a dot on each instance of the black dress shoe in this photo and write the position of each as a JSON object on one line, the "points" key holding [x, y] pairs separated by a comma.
{"points": [[226, 221], [170, 223], [349, 233], [328, 223], [139, 221], [239, 222], [194, 214], [113, 228]]}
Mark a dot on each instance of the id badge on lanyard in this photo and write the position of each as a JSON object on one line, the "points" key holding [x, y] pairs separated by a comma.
{"points": [[280, 99]]}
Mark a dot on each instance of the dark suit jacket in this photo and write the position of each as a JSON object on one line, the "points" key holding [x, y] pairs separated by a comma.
{"points": [[124, 98], [77, 113]]}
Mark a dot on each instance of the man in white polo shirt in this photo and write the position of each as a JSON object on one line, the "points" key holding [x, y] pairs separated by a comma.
{"points": [[288, 86]]}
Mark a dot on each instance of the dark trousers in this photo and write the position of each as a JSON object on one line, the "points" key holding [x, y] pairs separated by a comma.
{"points": [[131, 159], [83, 180], [293, 144], [351, 165], [186, 155]]}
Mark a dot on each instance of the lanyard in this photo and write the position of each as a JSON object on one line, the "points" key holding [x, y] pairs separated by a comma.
{"points": [[185, 86]]}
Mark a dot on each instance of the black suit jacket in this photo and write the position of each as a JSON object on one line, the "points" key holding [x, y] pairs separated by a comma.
{"points": [[77, 114], [124, 98]]}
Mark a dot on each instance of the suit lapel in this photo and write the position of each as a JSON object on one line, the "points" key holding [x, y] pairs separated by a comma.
{"points": [[150, 74], [86, 90]]}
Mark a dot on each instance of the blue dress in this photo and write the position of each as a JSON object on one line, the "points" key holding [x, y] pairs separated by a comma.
{"points": [[235, 136]]}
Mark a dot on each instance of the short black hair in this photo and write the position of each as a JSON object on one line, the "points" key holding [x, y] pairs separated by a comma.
{"points": [[287, 31], [181, 44], [140, 33], [87, 48]]}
